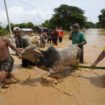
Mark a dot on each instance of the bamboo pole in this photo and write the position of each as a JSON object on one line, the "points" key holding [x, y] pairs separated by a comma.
{"points": [[6, 9]]}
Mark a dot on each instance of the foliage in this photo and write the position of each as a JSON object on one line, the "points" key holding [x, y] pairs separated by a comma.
{"points": [[97, 25], [21, 25], [90, 25], [65, 16], [3, 32], [102, 19]]}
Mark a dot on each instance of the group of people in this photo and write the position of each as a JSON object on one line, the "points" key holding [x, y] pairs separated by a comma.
{"points": [[52, 36], [7, 62]]}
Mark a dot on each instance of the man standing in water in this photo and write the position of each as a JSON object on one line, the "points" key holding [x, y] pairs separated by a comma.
{"points": [[60, 34], [78, 38], [22, 42], [6, 61]]}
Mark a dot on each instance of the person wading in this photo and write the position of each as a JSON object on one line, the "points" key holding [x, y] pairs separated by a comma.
{"points": [[60, 34], [22, 42], [78, 38], [55, 37], [6, 61]]}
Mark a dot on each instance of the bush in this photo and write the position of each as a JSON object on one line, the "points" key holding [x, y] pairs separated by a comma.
{"points": [[3, 32]]}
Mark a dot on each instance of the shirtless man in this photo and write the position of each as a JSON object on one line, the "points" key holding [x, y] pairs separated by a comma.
{"points": [[6, 61]]}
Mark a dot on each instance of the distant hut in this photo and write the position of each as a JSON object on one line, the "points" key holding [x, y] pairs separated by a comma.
{"points": [[28, 31], [40, 28]]}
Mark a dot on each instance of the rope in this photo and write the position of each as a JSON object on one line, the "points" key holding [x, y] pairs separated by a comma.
{"points": [[89, 67]]}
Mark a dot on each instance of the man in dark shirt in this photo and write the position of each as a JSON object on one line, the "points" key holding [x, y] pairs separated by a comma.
{"points": [[21, 43]]}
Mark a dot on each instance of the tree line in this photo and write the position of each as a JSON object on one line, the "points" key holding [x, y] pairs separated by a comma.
{"points": [[4, 31], [64, 16]]}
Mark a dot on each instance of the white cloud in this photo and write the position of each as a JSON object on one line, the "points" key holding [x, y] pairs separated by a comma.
{"points": [[20, 15]]}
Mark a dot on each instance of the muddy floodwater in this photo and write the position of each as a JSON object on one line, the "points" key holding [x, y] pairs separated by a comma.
{"points": [[94, 36], [95, 43], [82, 87]]}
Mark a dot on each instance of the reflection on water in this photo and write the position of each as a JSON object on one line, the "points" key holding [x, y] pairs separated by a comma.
{"points": [[95, 35]]}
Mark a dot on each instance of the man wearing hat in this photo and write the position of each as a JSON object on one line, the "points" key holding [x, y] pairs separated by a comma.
{"points": [[21, 42], [78, 38]]}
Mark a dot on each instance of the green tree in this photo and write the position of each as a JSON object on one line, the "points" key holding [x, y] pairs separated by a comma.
{"points": [[97, 25], [102, 18], [46, 23], [3, 31], [90, 25], [65, 16], [30, 25]]}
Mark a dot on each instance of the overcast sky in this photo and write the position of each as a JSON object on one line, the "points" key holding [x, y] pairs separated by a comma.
{"points": [[37, 11]]}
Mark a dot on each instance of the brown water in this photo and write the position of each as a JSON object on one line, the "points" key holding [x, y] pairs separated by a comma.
{"points": [[95, 43], [83, 87], [94, 36]]}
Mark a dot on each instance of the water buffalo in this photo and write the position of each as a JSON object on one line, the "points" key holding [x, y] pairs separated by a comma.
{"points": [[55, 59], [59, 59]]}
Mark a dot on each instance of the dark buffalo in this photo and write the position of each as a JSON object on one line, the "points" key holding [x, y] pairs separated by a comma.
{"points": [[55, 59]]}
